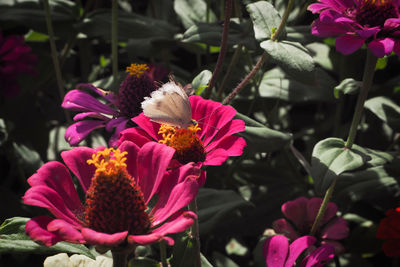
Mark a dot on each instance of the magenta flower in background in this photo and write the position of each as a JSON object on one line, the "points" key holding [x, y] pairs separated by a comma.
{"points": [[278, 253], [210, 142], [111, 111], [355, 22], [300, 215], [118, 185], [15, 59]]}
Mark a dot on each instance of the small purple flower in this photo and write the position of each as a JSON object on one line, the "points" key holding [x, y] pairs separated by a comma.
{"points": [[15, 59], [111, 111], [301, 213], [278, 253], [355, 22]]}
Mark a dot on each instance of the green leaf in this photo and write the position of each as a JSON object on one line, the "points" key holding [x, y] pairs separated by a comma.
{"points": [[320, 54], [130, 26], [348, 86], [211, 34], [277, 84], [386, 110], [293, 58], [201, 81], [218, 206], [193, 11], [330, 158], [263, 139], [266, 19], [14, 240], [223, 261], [381, 63], [248, 121], [33, 36]]}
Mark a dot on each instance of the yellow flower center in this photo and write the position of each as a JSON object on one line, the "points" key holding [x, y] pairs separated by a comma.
{"points": [[137, 69], [108, 161], [188, 146]]}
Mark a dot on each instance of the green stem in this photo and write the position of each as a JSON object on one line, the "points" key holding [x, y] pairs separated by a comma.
{"points": [[222, 52], [282, 25], [114, 42], [322, 209], [120, 258], [195, 232], [54, 55], [368, 76], [163, 254]]}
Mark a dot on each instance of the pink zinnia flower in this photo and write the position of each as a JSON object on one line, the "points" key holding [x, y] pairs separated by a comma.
{"points": [[278, 253], [113, 111], [118, 184], [355, 22], [301, 213], [15, 59], [209, 142]]}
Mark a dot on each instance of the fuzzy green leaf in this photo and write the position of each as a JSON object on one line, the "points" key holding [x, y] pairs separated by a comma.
{"points": [[193, 11], [386, 110]]}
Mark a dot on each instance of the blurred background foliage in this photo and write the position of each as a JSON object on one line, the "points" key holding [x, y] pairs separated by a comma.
{"points": [[286, 114]]}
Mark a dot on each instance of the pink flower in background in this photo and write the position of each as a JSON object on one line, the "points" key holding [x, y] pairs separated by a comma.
{"points": [[210, 142], [118, 185], [15, 59], [389, 230], [300, 215], [111, 111], [355, 22], [278, 253]]}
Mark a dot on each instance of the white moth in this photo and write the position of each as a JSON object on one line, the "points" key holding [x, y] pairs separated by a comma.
{"points": [[169, 105]]}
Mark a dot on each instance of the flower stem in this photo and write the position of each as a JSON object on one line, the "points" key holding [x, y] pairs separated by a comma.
{"points": [[114, 42], [54, 55], [260, 62], [322, 209], [368, 76], [163, 254], [195, 232], [120, 258], [222, 52]]}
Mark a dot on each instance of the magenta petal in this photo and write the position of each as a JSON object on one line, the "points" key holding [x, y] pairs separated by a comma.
{"points": [[297, 247], [79, 130], [83, 115], [339, 249], [135, 135], [230, 128], [282, 226], [152, 162], [381, 48], [78, 100], [320, 256], [180, 196], [296, 211], [321, 29], [336, 229], [233, 145], [119, 125], [348, 44], [396, 48], [76, 160], [151, 128], [109, 96], [96, 238], [179, 222], [131, 157], [66, 231], [368, 32], [275, 251], [56, 176], [145, 239], [36, 229], [216, 157], [46, 197]]}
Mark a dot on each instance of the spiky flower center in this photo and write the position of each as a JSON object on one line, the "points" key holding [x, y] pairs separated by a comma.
{"points": [[137, 69], [114, 202], [188, 146], [137, 85], [374, 13]]}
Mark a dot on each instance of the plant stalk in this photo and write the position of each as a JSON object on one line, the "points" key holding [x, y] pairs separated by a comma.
{"points": [[368, 77], [54, 56], [163, 254], [322, 209], [260, 62], [120, 258], [114, 42], [222, 52], [195, 232]]}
